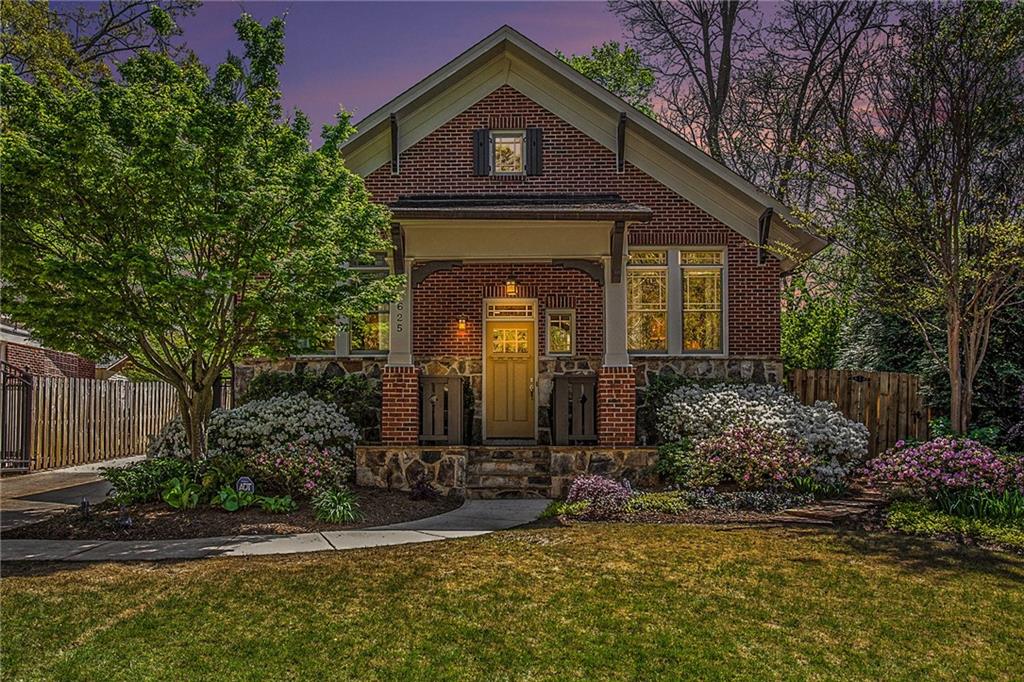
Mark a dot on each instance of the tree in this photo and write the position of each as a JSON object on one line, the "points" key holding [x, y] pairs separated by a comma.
{"points": [[619, 70], [175, 218], [39, 38], [813, 322], [927, 195]]}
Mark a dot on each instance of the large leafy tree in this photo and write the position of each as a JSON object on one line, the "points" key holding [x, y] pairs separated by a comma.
{"points": [[178, 219], [83, 39], [620, 70], [929, 187]]}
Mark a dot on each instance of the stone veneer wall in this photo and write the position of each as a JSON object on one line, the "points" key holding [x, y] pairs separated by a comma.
{"points": [[397, 468]]}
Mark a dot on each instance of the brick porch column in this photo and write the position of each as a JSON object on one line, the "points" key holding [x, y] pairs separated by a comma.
{"points": [[616, 406], [400, 405]]}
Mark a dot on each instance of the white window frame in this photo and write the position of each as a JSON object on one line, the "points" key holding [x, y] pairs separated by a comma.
{"points": [[675, 302], [571, 312], [491, 149]]}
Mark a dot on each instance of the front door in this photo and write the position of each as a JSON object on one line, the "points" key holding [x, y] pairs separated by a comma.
{"points": [[511, 360]]}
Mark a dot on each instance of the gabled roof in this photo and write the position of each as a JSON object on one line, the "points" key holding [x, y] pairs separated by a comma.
{"points": [[508, 57]]}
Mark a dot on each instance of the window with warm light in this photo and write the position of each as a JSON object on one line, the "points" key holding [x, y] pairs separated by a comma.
{"points": [[507, 152], [369, 334], [702, 300], [561, 332], [647, 301]]}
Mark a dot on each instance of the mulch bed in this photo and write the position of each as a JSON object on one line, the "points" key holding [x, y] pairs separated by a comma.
{"points": [[157, 521]]}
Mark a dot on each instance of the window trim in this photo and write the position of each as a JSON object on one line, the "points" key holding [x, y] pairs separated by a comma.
{"points": [[493, 167], [571, 312], [675, 267]]}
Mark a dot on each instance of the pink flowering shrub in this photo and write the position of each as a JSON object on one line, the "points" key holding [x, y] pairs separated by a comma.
{"points": [[603, 494], [753, 457], [301, 469], [944, 465]]}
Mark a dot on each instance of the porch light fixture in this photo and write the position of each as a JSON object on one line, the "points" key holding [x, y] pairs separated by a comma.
{"points": [[511, 290], [462, 324]]}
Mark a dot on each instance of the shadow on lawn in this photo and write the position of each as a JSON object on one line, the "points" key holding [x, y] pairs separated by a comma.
{"points": [[921, 553]]}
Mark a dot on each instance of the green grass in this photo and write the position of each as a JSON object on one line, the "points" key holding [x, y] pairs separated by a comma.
{"points": [[585, 602], [920, 519]]}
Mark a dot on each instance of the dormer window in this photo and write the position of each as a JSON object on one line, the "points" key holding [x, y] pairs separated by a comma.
{"points": [[507, 157]]}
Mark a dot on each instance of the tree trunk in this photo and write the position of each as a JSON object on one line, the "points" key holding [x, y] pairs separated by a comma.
{"points": [[195, 407], [957, 413]]}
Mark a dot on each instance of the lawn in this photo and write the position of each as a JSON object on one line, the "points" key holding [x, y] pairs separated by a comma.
{"points": [[597, 601]]}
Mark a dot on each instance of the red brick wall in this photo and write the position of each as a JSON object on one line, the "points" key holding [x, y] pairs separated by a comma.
{"points": [[443, 163], [399, 420], [44, 362], [445, 297], [616, 406]]}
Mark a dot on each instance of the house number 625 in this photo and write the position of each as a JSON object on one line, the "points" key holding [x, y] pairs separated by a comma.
{"points": [[399, 317]]}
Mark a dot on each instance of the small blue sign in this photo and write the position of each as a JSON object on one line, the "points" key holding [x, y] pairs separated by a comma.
{"points": [[244, 484]]}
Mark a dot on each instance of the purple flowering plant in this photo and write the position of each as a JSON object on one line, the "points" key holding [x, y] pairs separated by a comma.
{"points": [[603, 494], [944, 465], [755, 458], [302, 468]]}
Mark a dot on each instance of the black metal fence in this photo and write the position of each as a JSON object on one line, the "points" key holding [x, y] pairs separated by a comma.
{"points": [[15, 418]]}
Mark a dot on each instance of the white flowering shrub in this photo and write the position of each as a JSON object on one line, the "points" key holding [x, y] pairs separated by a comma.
{"points": [[700, 412], [263, 425]]}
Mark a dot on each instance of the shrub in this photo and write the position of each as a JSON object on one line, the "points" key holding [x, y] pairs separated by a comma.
{"points": [[144, 481], [277, 505], [603, 494], [229, 499], [679, 464], [562, 508], [219, 471], [754, 457], [919, 518], [358, 396], [671, 502], [944, 465], [301, 468], [703, 412], [336, 506], [765, 501], [810, 485], [181, 493], [263, 425]]}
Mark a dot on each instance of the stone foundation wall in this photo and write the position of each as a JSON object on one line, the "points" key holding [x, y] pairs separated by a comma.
{"points": [[447, 468], [398, 468]]}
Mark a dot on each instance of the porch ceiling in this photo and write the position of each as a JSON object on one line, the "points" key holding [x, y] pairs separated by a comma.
{"points": [[567, 207]]}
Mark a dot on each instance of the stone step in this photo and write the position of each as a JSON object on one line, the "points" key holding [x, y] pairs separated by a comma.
{"points": [[504, 467], [507, 481]]}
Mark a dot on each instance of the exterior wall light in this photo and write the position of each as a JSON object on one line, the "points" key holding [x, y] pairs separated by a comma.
{"points": [[462, 324], [511, 290]]}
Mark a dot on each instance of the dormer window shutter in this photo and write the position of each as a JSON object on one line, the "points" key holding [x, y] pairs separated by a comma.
{"points": [[481, 157], [534, 151]]}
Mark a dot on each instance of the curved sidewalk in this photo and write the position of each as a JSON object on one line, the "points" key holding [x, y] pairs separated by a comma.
{"points": [[474, 517]]}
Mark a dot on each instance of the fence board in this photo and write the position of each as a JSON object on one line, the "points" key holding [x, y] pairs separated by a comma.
{"points": [[890, 404], [78, 421]]}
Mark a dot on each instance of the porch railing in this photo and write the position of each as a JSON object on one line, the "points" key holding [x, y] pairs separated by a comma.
{"points": [[574, 410], [441, 409]]}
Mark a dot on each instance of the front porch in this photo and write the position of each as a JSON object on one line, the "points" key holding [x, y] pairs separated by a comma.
{"points": [[483, 472]]}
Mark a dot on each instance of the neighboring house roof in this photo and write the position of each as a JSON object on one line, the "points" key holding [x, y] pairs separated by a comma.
{"points": [[520, 206], [508, 57]]}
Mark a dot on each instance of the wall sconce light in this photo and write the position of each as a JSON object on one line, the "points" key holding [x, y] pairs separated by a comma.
{"points": [[511, 289], [462, 325]]}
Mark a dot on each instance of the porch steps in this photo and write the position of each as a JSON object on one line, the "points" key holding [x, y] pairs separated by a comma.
{"points": [[508, 474]]}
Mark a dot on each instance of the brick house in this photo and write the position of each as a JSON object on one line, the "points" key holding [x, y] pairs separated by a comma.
{"points": [[560, 247], [20, 350]]}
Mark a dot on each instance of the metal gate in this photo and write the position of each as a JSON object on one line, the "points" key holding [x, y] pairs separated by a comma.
{"points": [[15, 418]]}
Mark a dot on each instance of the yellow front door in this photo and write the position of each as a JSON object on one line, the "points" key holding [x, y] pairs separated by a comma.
{"points": [[511, 359]]}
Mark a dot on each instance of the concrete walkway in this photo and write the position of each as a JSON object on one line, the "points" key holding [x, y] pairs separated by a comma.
{"points": [[28, 498], [474, 517]]}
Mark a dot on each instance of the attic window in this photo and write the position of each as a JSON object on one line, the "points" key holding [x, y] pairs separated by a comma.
{"points": [[507, 152]]}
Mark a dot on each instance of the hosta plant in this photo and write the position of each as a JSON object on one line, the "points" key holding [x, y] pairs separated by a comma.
{"points": [[144, 481], [282, 504], [181, 493], [229, 499]]}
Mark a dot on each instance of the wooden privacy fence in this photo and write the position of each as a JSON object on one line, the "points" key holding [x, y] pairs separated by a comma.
{"points": [[888, 403], [77, 421]]}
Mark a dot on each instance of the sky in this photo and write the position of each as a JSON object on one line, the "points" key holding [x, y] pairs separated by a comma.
{"points": [[362, 54]]}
